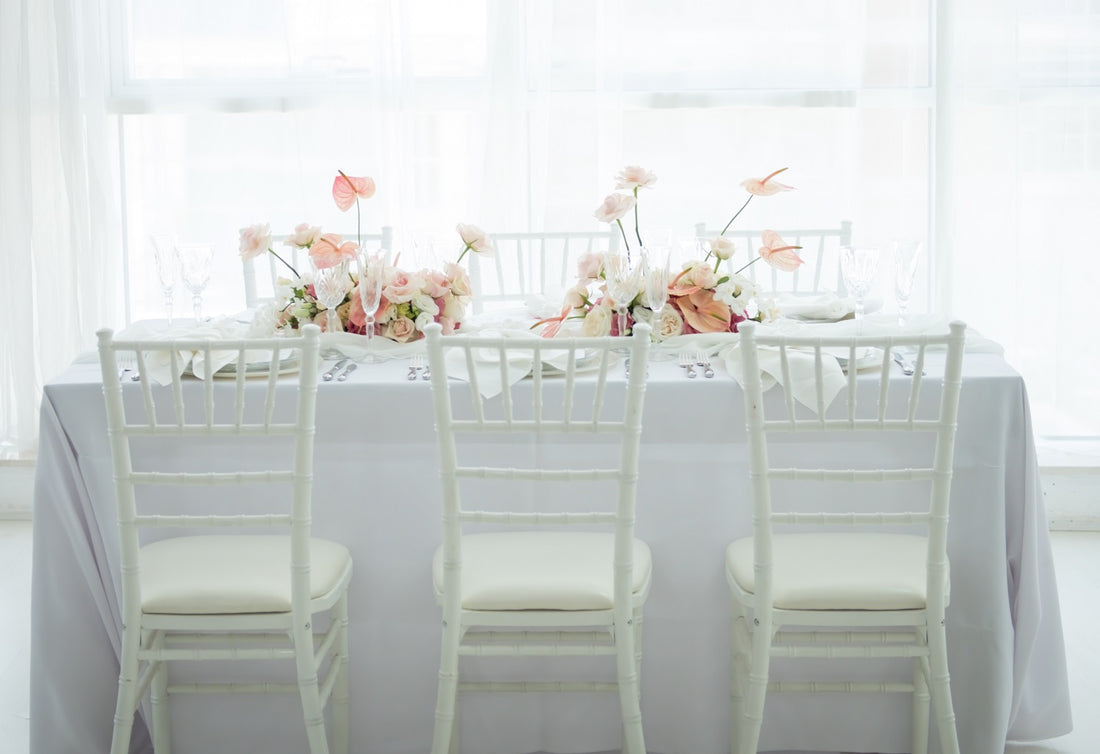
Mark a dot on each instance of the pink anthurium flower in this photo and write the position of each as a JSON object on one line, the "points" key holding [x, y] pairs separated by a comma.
{"points": [[330, 249], [346, 190], [778, 254], [704, 313], [766, 186]]}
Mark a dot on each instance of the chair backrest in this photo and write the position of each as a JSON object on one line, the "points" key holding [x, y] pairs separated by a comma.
{"points": [[569, 399], [297, 258], [532, 264], [820, 250], [868, 407], [157, 431]]}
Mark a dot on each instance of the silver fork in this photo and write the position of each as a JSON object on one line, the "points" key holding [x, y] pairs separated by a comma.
{"points": [[418, 363], [688, 364], [703, 360]]}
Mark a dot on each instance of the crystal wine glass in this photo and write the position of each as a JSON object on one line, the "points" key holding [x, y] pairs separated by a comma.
{"points": [[859, 267], [330, 284], [195, 260], [655, 279], [371, 270], [622, 284], [164, 254], [906, 258]]}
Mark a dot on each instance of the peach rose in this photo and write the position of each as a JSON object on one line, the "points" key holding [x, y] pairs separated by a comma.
{"points": [[614, 206], [400, 329], [255, 240], [671, 323]]}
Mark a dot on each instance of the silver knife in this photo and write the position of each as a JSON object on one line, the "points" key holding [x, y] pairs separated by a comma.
{"points": [[344, 374], [335, 368]]}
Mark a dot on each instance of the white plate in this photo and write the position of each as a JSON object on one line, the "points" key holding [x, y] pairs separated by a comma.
{"points": [[586, 362], [289, 365], [867, 358]]}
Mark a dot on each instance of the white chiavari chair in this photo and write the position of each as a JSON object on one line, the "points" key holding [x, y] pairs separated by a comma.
{"points": [[540, 263], [297, 258], [820, 250], [855, 584], [254, 589], [562, 579]]}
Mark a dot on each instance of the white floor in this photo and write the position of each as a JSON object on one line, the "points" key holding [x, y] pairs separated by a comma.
{"points": [[1077, 556]]}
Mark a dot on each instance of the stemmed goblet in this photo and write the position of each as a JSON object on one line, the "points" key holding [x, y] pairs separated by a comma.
{"points": [[164, 255], [906, 258], [371, 271], [655, 277], [622, 284], [195, 260], [859, 267], [330, 285]]}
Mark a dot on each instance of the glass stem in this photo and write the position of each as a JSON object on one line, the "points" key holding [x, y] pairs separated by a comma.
{"points": [[196, 302], [168, 305]]}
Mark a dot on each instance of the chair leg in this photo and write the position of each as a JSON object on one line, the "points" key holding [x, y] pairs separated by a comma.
{"points": [[158, 693], [638, 649], [629, 688], [312, 709], [126, 702], [920, 706], [341, 743], [447, 692], [739, 667], [756, 688], [941, 688]]}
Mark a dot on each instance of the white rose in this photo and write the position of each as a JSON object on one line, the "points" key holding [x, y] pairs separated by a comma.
{"points": [[671, 323], [425, 303], [597, 322], [423, 320]]}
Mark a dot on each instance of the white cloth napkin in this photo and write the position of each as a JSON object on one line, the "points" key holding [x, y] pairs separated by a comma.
{"points": [[822, 306], [158, 363]]}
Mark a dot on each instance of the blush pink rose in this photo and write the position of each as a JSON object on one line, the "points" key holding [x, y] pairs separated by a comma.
{"points": [[436, 283], [459, 279], [402, 287], [632, 177], [475, 238], [614, 206], [765, 186], [722, 247], [330, 250], [778, 254], [255, 240]]}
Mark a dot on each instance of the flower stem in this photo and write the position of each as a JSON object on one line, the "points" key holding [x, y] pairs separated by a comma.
{"points": [[272, 252], [637, 232], [735, 217], [746, 266], [619, 222], [462, 254]]}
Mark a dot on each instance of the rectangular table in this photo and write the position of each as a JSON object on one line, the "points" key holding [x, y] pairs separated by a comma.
{"points": [[376, 489]]}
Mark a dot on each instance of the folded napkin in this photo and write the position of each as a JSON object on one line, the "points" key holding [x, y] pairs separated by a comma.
{"points": [[802, 370], [822, 306], [158, 363]]}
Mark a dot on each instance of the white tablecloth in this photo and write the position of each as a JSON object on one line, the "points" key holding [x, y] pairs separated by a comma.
{"points": [[377, 491]]}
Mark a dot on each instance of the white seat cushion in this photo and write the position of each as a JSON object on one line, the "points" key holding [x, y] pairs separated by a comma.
{"points": [[541, 571], [841, 571], [224, 574]]}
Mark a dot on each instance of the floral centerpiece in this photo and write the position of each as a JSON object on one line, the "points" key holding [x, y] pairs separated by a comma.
{"points": [[702, 298], [410, 300]]}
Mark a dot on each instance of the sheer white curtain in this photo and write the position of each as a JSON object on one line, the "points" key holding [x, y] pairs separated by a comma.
{"points": [[972, 125], [58, 200]]}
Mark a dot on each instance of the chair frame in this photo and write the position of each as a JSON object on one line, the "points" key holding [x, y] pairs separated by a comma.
{"points": [[616, 631], [151, 640], [543, 260], [760, 630], [297, 258], [814, 255]]}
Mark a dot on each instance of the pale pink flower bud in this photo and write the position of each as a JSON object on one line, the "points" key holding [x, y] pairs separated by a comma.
{"points": [[722, 247], [304, 236], [475, 238]]}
